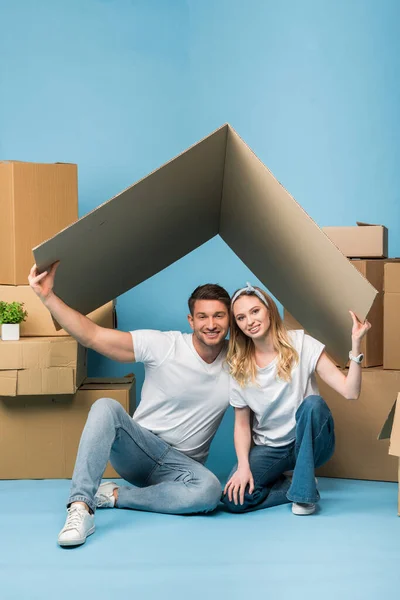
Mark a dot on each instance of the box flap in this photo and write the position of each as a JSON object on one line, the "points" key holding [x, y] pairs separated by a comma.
{"points": [[361, 224], [11, 161], [142, 230], [395, 436], [391, 429], [98, 383], [386, 430], [178, 207]]}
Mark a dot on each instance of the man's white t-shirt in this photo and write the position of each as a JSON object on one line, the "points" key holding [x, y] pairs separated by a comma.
{"points": [[183, 397], [273, 401]]}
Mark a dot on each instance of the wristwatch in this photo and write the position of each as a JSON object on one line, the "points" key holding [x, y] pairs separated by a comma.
{"points": [[357, 359]]}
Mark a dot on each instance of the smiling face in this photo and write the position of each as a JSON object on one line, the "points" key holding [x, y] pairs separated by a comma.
{"points": [[251, 316], [210, 322]]}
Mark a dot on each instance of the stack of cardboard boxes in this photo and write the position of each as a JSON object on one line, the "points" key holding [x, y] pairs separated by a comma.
{"points": [[45, 394], [359, 454]]}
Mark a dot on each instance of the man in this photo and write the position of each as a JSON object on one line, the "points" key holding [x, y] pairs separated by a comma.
{"points": [[161, 450]]}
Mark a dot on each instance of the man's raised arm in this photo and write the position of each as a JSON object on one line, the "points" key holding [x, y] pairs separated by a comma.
{"points": [[117, 345]]}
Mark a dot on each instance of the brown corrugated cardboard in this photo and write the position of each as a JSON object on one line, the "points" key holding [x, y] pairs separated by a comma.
{"points": [[391, 311], [38, 353], [391, 431], [39, 321], [359, 454], [391, 331], [362, 241], [39, 436], [372, 344], [392, 276], [36, 202], [217, 186], [38, 366], [38, 382]]}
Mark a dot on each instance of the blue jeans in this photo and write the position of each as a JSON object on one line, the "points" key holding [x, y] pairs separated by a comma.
{"points": [[162, 479], [313, 446]]}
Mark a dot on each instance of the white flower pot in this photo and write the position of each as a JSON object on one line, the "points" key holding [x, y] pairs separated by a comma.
{"points": [[10, 332]]}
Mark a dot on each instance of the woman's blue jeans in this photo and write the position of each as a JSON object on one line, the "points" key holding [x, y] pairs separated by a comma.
{"points": [[313, 446]]}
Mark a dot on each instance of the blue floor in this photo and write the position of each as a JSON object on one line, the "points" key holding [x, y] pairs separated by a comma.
{"points": [[350, 549]]}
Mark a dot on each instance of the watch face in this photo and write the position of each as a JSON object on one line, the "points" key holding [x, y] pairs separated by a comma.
{"points": [[361, 357]]}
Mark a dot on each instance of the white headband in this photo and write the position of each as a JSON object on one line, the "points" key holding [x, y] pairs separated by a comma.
{"points": [[249, 289]]}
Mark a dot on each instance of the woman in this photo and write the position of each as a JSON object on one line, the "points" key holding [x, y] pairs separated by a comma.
{"points": [[273, 379]]}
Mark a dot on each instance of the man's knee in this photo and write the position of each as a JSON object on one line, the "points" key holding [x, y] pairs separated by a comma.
{"points": [[204, 493], [106, 406], [212, 493]]}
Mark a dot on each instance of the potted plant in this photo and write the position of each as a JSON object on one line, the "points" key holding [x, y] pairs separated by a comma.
{"points": [[11, 315]]}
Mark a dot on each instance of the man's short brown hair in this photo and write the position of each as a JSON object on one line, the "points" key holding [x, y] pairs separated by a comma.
{"points": [[209, 291]]}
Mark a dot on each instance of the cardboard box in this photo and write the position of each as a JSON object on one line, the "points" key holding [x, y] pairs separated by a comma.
{"points": [[40, 322], [217, 186], [39, 437], [359, 454], [37, 366], [372, 344], [391, 311], [362, 241], [392, 276], [36, 202], [391, 431]]}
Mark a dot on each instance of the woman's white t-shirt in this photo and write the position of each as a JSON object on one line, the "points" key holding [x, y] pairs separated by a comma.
{"points": [[273, 401]]}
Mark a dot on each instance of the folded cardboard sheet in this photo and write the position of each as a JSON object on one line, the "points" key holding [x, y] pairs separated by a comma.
{"points": [[216, 187]]}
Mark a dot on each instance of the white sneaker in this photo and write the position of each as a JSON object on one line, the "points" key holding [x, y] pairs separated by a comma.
{"points": [[105, 495], [303, 508], [79, 524]]}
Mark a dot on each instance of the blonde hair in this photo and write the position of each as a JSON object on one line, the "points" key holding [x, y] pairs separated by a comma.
{"points": [[241, 349]]}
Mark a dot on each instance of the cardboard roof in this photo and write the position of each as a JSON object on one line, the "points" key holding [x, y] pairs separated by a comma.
{"points": [[391, 429], [216, 186]]}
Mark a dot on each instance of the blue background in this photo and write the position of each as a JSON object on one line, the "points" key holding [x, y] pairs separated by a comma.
{"points": [[121, 86]]}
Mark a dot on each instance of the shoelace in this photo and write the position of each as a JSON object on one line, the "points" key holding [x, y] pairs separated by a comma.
{"points": [[74, 519], [102, 499]]}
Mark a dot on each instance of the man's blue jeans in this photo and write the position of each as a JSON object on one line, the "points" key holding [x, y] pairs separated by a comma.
{"points": [[313, 446], [162, 479]]}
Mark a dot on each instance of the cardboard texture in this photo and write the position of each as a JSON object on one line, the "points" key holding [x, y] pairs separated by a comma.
{"points": [[372, 344], [391, 328], [39, 321], [38, 366], [392, 276], [217, 186], [359, 454], [391, 431], [362, 241], [39, 437], [36, 202]]}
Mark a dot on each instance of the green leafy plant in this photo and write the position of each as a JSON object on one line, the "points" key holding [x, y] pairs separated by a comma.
{"points": [[12, 312]]}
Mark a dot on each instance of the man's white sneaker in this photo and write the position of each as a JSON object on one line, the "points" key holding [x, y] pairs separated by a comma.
{"points": [[78, 526], [105, 495], [303, 508]]}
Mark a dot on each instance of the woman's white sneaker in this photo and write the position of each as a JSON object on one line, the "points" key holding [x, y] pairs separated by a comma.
{"points": [[303, 508], [105, 495], [79, 524]]}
